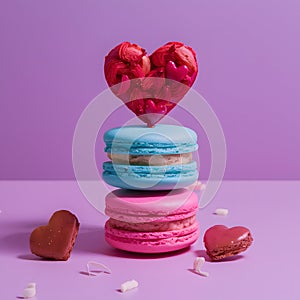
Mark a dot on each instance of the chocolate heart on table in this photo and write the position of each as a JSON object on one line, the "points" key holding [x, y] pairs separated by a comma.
{"points": [[221, 241], [151, 86], [55, 240]]}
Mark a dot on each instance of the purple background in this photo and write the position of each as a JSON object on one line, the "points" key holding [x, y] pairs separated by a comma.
{"points": [[51, 61]]}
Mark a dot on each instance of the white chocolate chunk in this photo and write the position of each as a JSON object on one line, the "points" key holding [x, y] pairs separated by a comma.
{"points": [[129, 285], [29, 292], [94, 268], [198, 263], [31, 285], [221, 211]]}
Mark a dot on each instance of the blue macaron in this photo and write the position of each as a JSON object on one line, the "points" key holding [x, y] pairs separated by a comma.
{"points": [[143, 158]]}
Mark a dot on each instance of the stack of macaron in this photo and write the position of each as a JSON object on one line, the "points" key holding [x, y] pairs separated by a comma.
{"points": [[152, 164], [152, 212]]}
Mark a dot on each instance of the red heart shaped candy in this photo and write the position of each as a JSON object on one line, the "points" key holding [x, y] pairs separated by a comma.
{"points": [[55, 240], [176, 73]]}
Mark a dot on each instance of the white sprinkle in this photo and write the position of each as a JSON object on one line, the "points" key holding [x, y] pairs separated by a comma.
{"points": [[221, 211], [198, 263], [95, 268], [31, 285], [129, 285], [29, 291]]}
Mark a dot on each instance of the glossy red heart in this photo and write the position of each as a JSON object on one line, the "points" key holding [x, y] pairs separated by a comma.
{"points": [[55, 240], [176, 73], [151, 86], [221, 241]]}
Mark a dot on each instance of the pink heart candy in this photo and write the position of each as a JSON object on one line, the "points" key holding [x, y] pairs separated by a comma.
{"points": [[176, 73]]}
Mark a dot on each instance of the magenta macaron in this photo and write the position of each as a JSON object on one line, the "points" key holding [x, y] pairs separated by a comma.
{"points": [[151, 222]]}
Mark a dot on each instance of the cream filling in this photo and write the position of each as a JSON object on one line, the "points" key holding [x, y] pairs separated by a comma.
{"points": [[153, 226], [151, 160]]}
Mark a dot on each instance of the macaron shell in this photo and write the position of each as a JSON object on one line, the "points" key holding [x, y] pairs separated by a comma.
{"points": [[150, 178], [164, 206], [142, 140], [152, 246], [143, 183]]}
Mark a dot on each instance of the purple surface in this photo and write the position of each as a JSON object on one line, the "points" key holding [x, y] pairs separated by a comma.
{"points": [[51, 61], [268, 270]]}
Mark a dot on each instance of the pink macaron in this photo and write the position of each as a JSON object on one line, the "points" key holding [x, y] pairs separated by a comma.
{"points": [[151, 222]]}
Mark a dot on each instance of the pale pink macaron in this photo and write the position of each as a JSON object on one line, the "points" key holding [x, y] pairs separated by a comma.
{"points": [[151, 222]]}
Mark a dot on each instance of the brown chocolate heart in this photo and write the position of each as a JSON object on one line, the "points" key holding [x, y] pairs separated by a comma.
{"points": [[55, 240], [151, 86], [221, 241]]}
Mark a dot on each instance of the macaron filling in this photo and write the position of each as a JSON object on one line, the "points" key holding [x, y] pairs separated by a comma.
{"points": [[153, 226], [151, 160]]}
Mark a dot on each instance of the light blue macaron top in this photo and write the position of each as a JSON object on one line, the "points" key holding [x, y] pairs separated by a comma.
{"points": [[162, 139]]}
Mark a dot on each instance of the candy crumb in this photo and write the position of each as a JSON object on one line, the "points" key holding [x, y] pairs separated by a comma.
{"points": [[221, 211], [29, 291], [198, 263], [94, 268], [129, 285], [31, 285]]}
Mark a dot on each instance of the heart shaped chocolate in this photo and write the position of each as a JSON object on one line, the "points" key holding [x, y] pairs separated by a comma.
{"points": [[151, 86], [221, 241], [55, 240]]}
